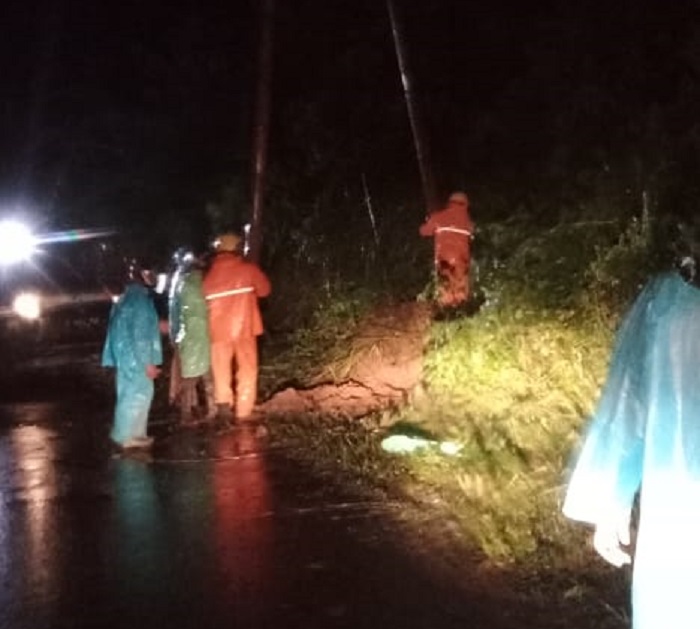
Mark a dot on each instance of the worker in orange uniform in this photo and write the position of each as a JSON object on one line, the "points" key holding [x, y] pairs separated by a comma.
{"points": [[453, 229], [232, 287]]}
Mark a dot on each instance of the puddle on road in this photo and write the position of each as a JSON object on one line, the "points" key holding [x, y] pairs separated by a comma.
{"points": [[27, 413], [39, 463]]}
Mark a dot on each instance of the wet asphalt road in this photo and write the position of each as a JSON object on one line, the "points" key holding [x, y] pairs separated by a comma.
{"points": [[211, 531]]}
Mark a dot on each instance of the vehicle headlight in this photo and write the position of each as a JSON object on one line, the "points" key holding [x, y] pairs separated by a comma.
{"points": [[27, 305], [17, 243]]}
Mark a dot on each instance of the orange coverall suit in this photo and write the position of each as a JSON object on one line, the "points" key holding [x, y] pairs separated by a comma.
{"points": [[232, 288], [452, 228]]}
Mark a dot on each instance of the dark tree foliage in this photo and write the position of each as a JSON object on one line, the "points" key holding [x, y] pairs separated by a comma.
{"points": [[139, 114]]}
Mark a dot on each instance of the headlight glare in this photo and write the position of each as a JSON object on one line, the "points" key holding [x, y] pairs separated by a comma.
{"points": [[27, 305]]}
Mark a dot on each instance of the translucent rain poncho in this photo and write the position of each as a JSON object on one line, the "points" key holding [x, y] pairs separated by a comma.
{"points": [[189, 325], [645, 436], [133, 342]]}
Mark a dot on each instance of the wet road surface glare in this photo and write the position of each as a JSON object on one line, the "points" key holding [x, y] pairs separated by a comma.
{"points": [[210, 530]]}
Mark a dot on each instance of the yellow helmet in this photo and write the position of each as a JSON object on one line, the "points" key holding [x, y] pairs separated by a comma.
{"points": [[459, 198], [227, 242]]}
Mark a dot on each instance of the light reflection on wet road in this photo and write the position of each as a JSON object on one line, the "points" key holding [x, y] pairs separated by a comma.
{"points": [[213, 531]]}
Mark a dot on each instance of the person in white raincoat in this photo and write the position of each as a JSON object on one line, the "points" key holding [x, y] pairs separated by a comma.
{"points": [[645, 439]]}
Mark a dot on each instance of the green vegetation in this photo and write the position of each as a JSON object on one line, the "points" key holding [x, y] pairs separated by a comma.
{"points": [[513, 384]]}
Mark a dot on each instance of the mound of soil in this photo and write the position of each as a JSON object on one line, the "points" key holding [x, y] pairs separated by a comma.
{"points": [[384, 365]]}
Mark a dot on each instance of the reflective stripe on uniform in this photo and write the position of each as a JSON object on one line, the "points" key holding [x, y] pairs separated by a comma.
{"points": [[227, 293], [453, 230]]}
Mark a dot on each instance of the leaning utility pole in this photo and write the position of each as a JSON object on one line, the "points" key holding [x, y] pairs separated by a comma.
{"points": [[420, 138], [262, 125]]}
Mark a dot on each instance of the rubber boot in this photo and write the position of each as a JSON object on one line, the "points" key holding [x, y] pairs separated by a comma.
{"points": [[224, 417], [188, 398], [212, 410]]}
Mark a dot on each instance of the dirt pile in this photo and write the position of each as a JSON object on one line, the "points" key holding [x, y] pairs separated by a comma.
{"points": [[382, 366]]}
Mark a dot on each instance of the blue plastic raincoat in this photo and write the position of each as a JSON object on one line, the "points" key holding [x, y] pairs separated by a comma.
{"points": [[645, 436], [133, 342]]}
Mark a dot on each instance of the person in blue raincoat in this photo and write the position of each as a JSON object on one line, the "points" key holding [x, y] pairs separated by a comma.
{"points": [[133, 348], [644, 441]]}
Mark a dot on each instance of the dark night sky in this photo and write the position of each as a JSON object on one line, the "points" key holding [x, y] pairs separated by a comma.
{"points": [[104, 101], [139, 109]]}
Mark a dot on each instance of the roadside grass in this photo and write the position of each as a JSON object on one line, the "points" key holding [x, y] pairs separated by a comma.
{"points": [[515, 384], [348, 451], [512, 385], [513, 392]]}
